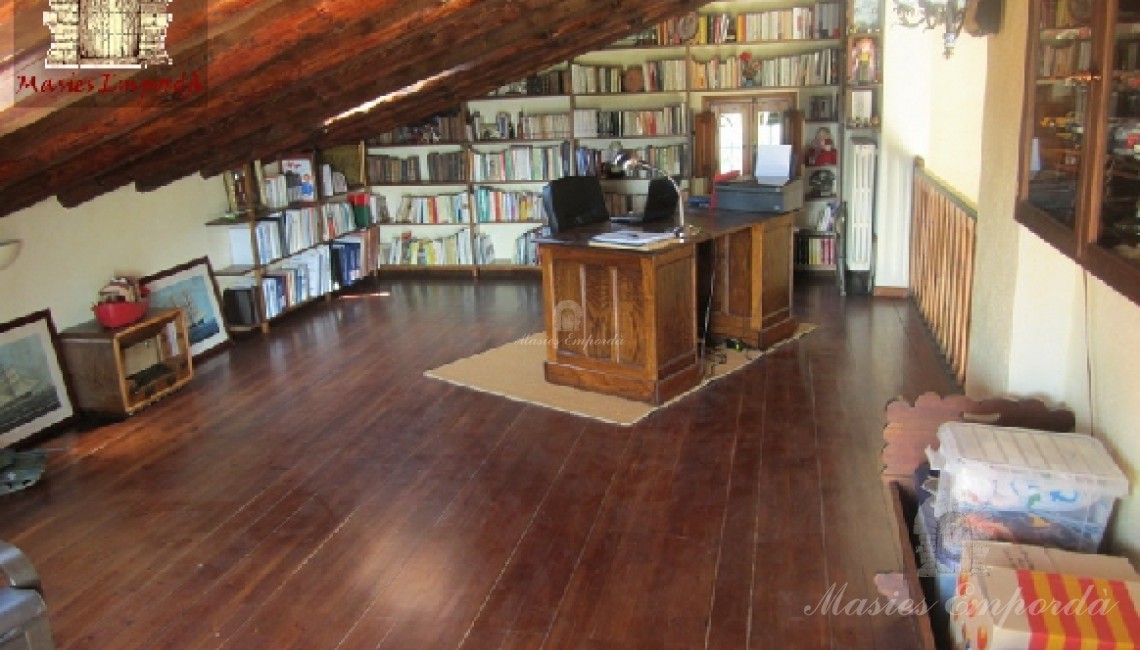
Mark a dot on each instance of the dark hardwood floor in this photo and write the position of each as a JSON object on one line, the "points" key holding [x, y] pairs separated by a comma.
{"points": [[311, 489]]}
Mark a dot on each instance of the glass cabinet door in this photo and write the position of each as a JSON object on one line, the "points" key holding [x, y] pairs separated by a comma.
{"points": [[1060, 120], [1119, 225]]}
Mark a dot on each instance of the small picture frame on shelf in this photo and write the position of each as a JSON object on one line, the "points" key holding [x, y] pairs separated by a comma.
{"points": [[866, 16], [864, 61], [192, 288], [35, 395], [861, 111], [821, 108]]}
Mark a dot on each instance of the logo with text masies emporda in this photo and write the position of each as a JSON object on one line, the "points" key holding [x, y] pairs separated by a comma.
{"points": [[96, 36]]}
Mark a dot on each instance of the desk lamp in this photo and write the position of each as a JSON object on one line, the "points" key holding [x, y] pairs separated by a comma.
{"points": [[628, 160]]}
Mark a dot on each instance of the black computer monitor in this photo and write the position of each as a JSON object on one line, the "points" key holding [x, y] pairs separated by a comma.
{"points": [[574, 201]]}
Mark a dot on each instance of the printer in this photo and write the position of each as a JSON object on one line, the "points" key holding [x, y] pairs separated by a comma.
{"points": [[772, 189]]}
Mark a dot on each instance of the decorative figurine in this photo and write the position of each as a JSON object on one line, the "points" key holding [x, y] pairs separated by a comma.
{"points": [[822, 150]]}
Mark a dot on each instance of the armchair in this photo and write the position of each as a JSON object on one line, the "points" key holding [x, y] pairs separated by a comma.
{"points": [[23, 613]]}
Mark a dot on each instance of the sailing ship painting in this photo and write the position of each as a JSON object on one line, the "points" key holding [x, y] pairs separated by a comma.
{"points": [[192, 296], [27, 391]]}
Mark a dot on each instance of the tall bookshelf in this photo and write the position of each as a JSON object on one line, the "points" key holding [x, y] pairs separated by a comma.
{"points": [[300, 227], [643, 92]]}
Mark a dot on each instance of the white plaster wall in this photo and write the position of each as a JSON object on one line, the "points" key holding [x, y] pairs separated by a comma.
{"points": [[1041, 326], [68, 254], [932, 107]]}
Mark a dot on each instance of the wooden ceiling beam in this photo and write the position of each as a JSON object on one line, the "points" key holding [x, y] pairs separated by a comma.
{"points": [[244, 117], [228, 59], [527, 43], [308, 101], [194, 21]]}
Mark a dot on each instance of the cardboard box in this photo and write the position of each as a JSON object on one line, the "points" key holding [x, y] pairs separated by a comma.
{"points": [[1015, 596], [750, 196]]}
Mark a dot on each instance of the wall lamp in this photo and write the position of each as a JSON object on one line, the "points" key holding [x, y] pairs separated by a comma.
{"points": [[9, 251]]}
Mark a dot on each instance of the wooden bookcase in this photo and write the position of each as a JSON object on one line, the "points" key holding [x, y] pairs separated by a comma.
{"points": [[475, 210], [290, 222], [120, 371]]}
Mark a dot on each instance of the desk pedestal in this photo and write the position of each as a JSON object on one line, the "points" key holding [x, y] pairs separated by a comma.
{"points": [[752, 300], [621, 322]]}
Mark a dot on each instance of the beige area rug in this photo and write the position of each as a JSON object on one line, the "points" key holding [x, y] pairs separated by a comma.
{"points": [[515, 371]]}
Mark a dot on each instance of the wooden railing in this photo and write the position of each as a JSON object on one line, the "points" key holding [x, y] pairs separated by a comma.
{"points": [[942, 263]]}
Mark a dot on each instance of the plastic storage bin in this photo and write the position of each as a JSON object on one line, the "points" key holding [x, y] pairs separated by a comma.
{"points": [[1032, 487]]}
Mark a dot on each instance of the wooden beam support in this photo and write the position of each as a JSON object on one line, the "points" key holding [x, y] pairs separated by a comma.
{"points": [[154, 144]]}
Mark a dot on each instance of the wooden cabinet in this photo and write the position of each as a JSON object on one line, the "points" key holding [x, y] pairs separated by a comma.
{"points": [[1080, 177], [119, 371]]}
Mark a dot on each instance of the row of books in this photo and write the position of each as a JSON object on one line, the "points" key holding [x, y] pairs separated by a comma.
{"points": [[392, 169], [537, 126], [493, 205], [301, 278], [671, 159], [824, 20], [592, 123], [526, 247], [521, 163], [352, 258], [821, 67], [440, 128], [1065, 59], [656, 76], [618, 203], [332, 181], [341, 217], [815, 251], [276, 235], [551, 82], [447, 166], [450, 249], [439, 208]]}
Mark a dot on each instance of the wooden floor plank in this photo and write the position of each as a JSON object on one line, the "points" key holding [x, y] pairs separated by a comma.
{"points": [[311, 489]]}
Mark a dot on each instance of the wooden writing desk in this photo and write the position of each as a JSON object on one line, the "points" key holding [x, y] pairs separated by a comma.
{"points": [[625, 321]]}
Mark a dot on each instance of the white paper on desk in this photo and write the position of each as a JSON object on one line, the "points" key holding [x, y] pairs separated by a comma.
{"points": [[631, 237], [773, 164]]}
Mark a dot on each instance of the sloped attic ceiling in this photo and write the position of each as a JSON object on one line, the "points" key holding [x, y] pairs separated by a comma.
{"points": [[253, 78]]}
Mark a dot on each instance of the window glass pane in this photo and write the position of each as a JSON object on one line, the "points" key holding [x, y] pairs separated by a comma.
{"points": [[730, 142], [769, 127]]}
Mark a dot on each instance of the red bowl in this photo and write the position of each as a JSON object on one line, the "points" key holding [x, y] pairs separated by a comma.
{"points": [[117, 314]]}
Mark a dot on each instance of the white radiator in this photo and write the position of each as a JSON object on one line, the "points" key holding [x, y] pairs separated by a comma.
{"points": [[861, 205]]}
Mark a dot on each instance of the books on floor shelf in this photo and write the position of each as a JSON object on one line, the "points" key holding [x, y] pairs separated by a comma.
{"points": [[455, 248], [526, 247]]}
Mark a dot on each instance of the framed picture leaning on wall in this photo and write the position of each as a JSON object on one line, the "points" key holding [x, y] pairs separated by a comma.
{"points": [[35, 395], [192, 288]]}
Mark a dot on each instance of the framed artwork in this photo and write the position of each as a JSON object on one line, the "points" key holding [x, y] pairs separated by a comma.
{"points": [[192, 288], [35, 395], [866, 16]]}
